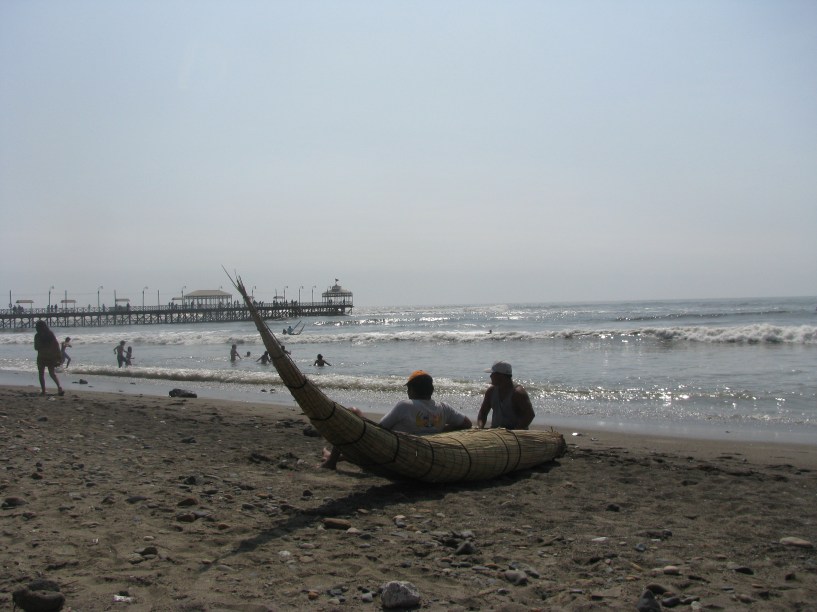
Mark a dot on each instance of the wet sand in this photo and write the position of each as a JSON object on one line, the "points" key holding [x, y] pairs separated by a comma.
{"points": [[159, 503]]}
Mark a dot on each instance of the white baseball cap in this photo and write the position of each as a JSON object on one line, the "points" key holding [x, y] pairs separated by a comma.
{"points": [[501, 367]]}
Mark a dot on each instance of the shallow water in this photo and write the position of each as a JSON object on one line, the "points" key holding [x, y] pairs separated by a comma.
{"points": [[715, 367]]}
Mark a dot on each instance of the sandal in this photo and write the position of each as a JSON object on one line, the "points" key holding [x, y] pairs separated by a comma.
{"points": [[61, 392]]}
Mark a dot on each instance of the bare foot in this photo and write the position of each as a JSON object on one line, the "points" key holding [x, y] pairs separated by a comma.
{"points": [[330, 459]]}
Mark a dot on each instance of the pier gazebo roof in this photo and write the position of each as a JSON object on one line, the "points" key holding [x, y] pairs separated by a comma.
{"points": [[208, 293], [206, 296], [336, 292]]}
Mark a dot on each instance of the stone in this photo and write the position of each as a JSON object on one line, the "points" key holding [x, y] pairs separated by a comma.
{"points": [[181, 393], [38, 601], [797, 542], [516, 577], [399, 594], [466, 548], [648, 603]]}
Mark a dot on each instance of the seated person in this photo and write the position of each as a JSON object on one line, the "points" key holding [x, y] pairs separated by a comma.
{"points": [[508, 403], [418, 415]]}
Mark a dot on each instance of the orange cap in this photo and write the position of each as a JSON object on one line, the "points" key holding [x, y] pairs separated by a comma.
{"points": [[417, 374]]}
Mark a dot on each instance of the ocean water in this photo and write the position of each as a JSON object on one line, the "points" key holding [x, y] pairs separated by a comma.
{"points": [[737, 368]]}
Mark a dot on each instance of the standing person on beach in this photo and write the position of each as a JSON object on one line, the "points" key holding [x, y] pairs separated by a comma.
{"points": [[509, 402], [49, 355], [418, 415], [119, 349], [234, 354], [320, 361], [66, 358]]}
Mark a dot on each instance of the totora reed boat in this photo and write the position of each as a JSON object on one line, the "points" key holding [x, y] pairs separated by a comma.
{"points": [[459, 456]]}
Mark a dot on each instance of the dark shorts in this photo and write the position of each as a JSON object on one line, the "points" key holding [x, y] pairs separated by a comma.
{"points": [[47, 361]]}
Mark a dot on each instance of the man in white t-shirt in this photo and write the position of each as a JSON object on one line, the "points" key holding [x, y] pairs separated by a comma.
{"points": [[418, 415]]}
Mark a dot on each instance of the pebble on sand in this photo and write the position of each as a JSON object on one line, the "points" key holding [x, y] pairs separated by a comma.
{"points": [[798, 542]]}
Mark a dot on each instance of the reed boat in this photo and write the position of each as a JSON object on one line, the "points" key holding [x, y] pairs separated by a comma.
{"points": [[458, 456]]}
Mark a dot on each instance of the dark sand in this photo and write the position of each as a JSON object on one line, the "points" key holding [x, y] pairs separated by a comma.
{"points": [[154, 503]]}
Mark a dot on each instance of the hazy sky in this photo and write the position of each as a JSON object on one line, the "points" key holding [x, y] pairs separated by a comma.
{"points": [[423, 152]]}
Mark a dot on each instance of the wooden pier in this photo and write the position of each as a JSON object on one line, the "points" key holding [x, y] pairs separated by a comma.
{"points": [[187, 313]]}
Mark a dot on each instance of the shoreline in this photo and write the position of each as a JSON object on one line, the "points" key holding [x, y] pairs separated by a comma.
{"points": [[760, 433], [578, 437]]}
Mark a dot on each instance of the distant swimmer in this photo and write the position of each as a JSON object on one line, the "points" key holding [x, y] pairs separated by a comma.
{"points": [[320, 361], [234, 354], [129, 356], [119, 349], [66, 344], [264, 359]]}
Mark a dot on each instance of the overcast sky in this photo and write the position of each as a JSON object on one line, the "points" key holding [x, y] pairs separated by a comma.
{"points": [[424, 152]]}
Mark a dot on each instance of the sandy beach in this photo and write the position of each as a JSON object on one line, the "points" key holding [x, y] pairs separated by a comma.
{"points": [[131, 502]]}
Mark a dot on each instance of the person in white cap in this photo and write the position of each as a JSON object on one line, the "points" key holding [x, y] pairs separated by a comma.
{"points": [[509, 403], [419, 415]]}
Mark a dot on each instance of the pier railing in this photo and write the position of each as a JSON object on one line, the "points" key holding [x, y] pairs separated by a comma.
{"points": [[15, 318]]}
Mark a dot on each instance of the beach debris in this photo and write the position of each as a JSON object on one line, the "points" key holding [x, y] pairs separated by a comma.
{"points": [[181, 393], [123, 597], [399, 594], [797, 542]]}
